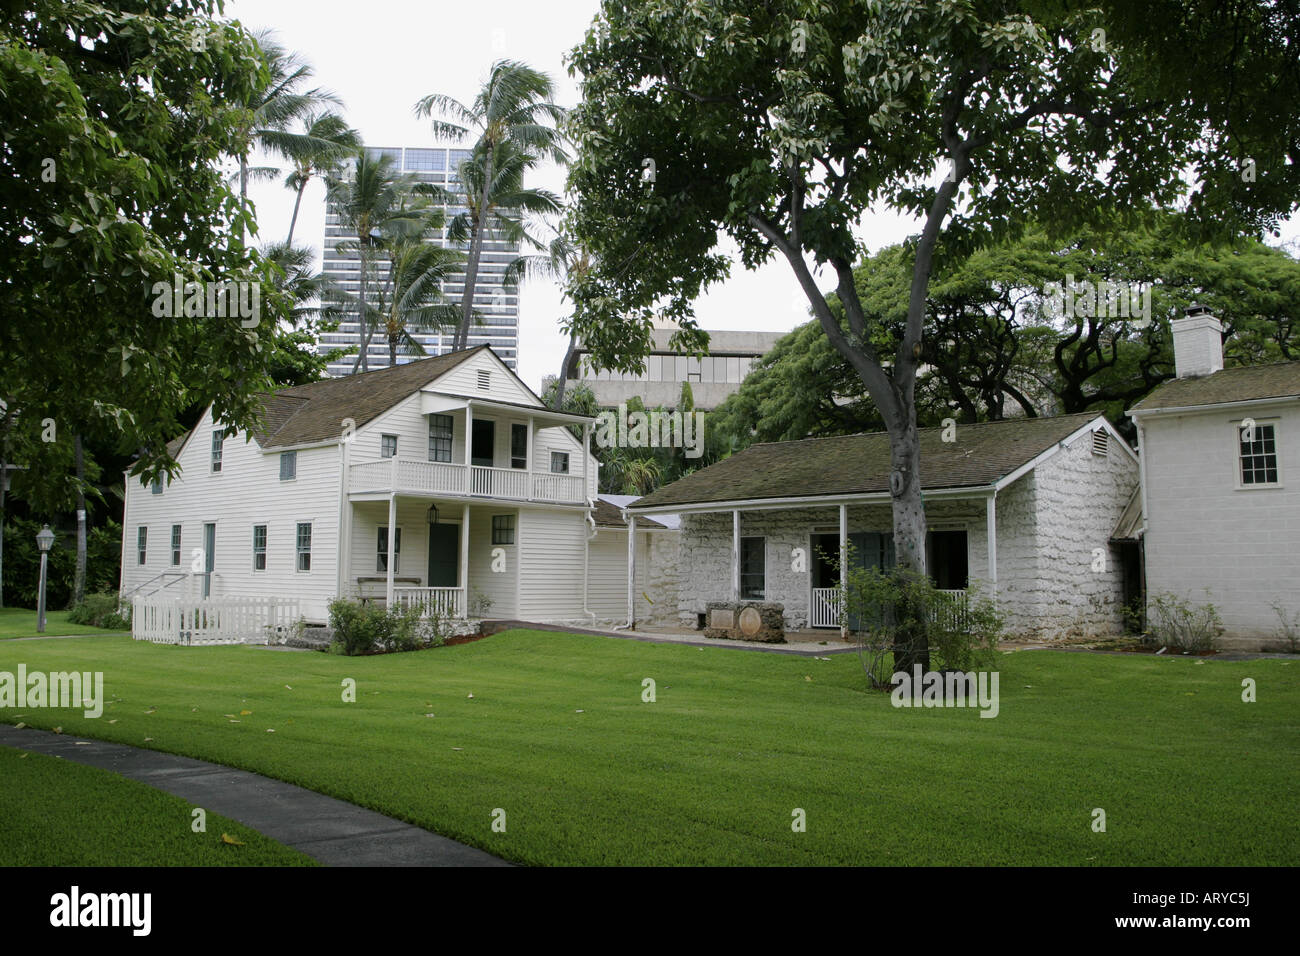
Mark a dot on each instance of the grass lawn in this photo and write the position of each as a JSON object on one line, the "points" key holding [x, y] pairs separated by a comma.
{"points": [[20, 622], [557, 736], [57, 813]]}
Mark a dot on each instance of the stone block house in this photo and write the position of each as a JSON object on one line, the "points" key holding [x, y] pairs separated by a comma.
{"points": [[1022, 511]]}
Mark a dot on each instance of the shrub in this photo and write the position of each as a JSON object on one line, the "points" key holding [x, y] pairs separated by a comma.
{"points": [[369, 629], [99, 610], [1288, 628], [479, 604], [1178, 624], [882, 607]]}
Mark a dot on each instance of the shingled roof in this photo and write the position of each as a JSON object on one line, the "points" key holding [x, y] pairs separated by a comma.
{"points": [[1244, 384], [606, 514], [859, 464]]}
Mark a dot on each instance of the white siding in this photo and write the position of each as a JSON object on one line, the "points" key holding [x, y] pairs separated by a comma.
{"points": [[553, 543], [247, 492], [504, 385]]}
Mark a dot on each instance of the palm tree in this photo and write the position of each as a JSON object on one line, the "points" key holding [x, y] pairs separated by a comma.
{"points": [[411, 299], [374, 201], [326, 140], [511, 110], [281, 102]]}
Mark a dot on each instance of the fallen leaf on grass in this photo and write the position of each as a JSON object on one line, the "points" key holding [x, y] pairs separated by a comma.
{"points": [[58, 730], [22, 756], [287, 687], [152, 710], [113, 721], [245, 713], [270, 730], [19, 726], [231, 841]]}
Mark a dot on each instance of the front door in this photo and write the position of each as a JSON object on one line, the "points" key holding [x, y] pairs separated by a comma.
{"points": [[870, 550], [209, 556], [483, 442], [444, 548]]}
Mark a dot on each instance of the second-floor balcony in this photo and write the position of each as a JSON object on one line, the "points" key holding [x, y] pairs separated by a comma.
{"points": [[412, 477]]}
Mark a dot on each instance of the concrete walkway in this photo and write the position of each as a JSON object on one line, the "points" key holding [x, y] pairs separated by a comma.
{"points": [[329, 830]]}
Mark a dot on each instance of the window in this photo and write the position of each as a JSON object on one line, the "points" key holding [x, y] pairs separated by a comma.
{"points": [[176, 545], [388, 446], [753, 568], [560, 462], [518, 446], [155, 487], [304, 546], [693, 370], [503, 529], [288, 465], [218, 437], [1258, 453], [259, 546], [381, 562], [141, 542], [441, 429]]}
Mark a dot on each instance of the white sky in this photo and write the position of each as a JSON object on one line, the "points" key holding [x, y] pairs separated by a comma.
{"points": [[381, 56]]}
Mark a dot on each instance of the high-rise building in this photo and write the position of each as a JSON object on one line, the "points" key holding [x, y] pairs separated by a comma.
{"points": [[498, 325]]}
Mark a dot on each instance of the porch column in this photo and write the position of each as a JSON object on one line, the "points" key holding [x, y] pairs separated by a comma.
{"points": [[528, 464], [469, 443], [991, 525], [735, 555], [631, 571], [392, 537], [586, 440], [463, 571], [844, 567]]}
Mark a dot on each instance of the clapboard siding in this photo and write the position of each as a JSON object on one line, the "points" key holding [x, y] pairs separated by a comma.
{"points": [[553, 547], [504, 386], [247, 492]]}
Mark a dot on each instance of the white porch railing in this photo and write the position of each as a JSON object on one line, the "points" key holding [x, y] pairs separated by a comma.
{"points": [[825, 610], [448, 602], [447, 478], [212, 621]]}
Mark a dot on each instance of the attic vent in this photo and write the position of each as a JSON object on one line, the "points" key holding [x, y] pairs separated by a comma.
{"points": [[1100, 442], [484, 378]]}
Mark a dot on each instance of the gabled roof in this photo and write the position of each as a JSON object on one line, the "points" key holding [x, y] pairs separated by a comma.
{"points": [[306, 414], [1245, 384], [860, 464], [606, 514]]}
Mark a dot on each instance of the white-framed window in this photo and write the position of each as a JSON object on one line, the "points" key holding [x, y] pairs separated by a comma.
{"points": [[176, 545], [259, 547], [155, 486], [381, 551], [753, 568], [303, 545], [218, 439], [288, 465], [1257, 464], [518, 445], [387, 446], [441, 430], [503, 529], [141, 544], [560, 462]]}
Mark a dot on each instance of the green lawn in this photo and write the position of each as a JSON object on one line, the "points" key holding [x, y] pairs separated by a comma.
{"points": [[57, 813], [20, 622], [557, 735]]}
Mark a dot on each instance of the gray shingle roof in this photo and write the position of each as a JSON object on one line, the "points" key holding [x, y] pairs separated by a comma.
{"points": [[609, 515], [1244, 384], [859, 464]]}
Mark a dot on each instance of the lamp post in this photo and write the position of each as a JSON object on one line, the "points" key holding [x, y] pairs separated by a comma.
{"points": [[44, 539]]}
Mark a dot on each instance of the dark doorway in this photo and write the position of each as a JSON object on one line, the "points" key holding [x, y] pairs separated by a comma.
{"points": [[946, 559], [444, 555], [483, 442]]}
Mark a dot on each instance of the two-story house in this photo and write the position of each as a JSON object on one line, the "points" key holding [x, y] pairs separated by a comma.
{"points": [[444, 481], [1220, 466]]}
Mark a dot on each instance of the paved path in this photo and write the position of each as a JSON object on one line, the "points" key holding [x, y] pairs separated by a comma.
{"points": [[329, 830]]}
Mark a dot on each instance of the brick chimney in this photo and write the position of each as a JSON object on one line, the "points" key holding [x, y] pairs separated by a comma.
{"points": [[1198, 343]]}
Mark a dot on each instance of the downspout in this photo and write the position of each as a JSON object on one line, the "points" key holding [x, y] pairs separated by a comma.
{"points": [[631, 573], [586, 562]]}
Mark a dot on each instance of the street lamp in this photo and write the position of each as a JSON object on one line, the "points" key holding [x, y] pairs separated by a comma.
{"points": [[44, 539]]}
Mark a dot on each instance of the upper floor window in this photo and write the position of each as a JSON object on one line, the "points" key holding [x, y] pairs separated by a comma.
{"points": [[259, 547], [218, 439], [560, 462], [141, 543], [440, 435], [1257, 452], [388, 446], [155, 487], [288, 465], [304, 546], [176, 545], [518, 446]]}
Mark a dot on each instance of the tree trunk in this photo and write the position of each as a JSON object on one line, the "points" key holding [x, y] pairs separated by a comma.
{"points": [[361, 317], [392, 349], [294, 221], [475, 253], [79, 577], [564, 371], [911, 639]]}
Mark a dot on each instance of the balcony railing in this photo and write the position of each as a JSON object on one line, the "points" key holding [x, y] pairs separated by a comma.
{"points": [[445, 478]]}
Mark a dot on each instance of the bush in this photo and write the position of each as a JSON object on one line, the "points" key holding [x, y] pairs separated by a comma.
{"points": [[1288, 628], [882, 608], [1178, 624], [99, 610], [369, 629]]}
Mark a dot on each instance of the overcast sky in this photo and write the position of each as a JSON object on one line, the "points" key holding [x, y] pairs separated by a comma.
{"points": [[381, 56]]}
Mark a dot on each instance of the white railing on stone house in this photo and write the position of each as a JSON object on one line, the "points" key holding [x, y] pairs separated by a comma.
{"points": [[825, 610]]}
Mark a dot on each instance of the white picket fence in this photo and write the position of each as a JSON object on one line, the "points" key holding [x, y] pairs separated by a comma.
{"points": [[244, 620]]}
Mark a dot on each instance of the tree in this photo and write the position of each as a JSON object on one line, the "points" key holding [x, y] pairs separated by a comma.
{"points": [[509, 119], [781, 126], [326, 141], [411, 298]]}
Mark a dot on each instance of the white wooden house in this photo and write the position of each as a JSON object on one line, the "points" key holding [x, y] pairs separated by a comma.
{"points": [[443, 481]]}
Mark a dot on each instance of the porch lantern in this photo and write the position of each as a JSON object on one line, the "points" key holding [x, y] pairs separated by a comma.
{"points": [[433, 514], [44, 541]]}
